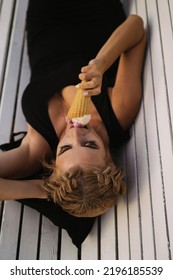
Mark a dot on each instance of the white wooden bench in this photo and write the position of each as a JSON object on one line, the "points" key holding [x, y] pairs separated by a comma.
{"points": [[141, 226]]}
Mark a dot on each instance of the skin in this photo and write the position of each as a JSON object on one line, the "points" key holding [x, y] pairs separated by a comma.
{"points": [[80, 146], [125, 99]]}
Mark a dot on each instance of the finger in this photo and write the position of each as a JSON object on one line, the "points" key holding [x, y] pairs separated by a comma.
{"points": [[87, 76], [82, 76], [88, 67], [90, 75], [91, 62], [94, 83], [89, 85], [85, 69], [92, 92]]}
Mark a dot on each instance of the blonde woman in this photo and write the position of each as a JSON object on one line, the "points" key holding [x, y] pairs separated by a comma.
{"points": [[71, 41]]}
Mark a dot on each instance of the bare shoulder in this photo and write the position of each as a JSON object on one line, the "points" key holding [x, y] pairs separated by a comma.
{"points": [[36, 143]]}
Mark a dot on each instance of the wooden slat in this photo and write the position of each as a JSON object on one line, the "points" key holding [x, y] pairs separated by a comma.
{"points": [[122, 214], [6, 15], [20, 122], [68, 249], [29, 235], [167, 54], [133, 207], [49, 241], [144, 187], [108, 241], [12, 71], [122, 229], [170, 4], [90, 245], [9, 231]]}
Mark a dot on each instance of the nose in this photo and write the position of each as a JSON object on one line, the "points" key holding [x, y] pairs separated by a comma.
{"points": [[78, 133]]}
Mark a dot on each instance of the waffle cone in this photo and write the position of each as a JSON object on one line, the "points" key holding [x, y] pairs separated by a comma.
{"points": [[80, 106]]}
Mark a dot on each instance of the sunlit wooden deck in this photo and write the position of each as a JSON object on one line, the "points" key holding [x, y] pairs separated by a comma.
{"points": [[141, 226]]}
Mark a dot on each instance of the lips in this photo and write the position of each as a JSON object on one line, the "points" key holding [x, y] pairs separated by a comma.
{"points": [[72, 126]]}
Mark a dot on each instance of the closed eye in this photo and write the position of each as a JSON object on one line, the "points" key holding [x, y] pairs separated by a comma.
{"points": [[86, 144], [63, 149], [90, 144]]}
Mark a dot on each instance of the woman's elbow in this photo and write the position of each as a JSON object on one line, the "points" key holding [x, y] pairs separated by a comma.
{"points": [[139, 24], [137, 19]]}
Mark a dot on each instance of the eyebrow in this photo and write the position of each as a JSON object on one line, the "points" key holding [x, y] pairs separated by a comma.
{"points": [[70, 147]]}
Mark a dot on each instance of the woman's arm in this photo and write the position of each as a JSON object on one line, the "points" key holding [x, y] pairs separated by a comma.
{"points": [[21, 162], [125, 37], [13, 189], [128, 41], [27, 158], [127, 92]]}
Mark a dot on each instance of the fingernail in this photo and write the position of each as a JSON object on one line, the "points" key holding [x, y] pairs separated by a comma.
{"points": [[77, 86], [85, 93]]}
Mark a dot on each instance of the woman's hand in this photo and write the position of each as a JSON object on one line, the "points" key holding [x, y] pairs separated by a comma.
{"points": [[92, 74]]}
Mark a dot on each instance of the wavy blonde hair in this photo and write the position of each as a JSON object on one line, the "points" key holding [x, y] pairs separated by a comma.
{"points": [[86, 191]]}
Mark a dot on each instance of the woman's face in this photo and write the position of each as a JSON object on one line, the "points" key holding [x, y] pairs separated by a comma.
{"points": [[80, 146]]}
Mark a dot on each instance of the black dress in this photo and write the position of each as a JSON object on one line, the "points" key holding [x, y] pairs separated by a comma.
{"points": [[63, 36]]}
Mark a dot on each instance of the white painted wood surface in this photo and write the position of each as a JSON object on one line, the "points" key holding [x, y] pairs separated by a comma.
{"points": [[5, 29], [12, 70], [141, 226]]}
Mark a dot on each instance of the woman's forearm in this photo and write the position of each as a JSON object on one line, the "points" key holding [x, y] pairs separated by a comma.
{"points": [[126, 36], [14, 189]]}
